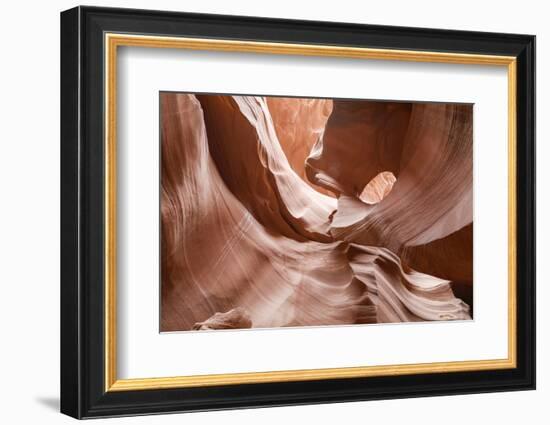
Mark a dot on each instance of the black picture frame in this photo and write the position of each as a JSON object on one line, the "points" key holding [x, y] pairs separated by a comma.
{"points": [[83, 392]]}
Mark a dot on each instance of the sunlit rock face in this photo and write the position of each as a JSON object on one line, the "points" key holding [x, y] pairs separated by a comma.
{"points": [[299, 124], [378, 188], [302, 212], [237, 318]]}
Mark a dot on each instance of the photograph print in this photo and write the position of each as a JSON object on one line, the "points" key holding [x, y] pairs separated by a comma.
{"points": [[292, 212]]}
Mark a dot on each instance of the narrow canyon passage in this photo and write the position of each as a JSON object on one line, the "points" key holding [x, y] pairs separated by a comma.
{"points": [[305, 212]]}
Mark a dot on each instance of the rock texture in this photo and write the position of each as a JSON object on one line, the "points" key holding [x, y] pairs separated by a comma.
{"points": [[299, 124], [300, 212], [238, 318]]}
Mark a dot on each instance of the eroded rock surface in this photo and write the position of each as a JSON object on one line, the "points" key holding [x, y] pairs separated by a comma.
{"points": [[273, 214], [237, 318]]}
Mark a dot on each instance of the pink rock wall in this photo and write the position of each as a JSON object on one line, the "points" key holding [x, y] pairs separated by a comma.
{"points": [[270, 215]]}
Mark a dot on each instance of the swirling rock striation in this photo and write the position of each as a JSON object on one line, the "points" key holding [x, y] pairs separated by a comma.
{"points": [[272, 213]]}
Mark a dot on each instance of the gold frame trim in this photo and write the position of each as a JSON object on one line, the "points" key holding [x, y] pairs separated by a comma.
{"points": [[113, 41]]}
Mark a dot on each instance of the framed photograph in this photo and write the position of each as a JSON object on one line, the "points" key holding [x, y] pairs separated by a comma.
{"points": [[261, 212]]}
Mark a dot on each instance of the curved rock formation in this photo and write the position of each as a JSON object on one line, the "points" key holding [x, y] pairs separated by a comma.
{"points": [[426, 218], [247, 241], [257, 171], [361, 140], [238, 318], [299, 124]]}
